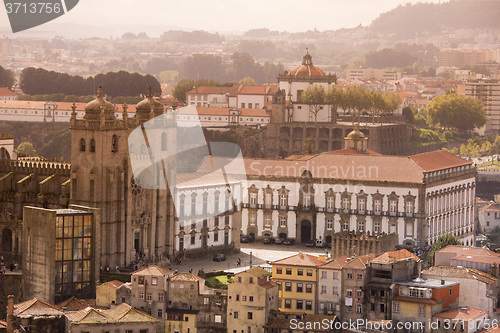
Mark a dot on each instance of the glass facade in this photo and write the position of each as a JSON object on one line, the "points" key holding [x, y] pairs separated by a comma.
{"points": [[74, 247]]}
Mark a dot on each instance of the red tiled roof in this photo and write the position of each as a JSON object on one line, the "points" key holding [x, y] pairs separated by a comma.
{"points": [[442, 271], [307, 71], [437, 160], [115, 283], [468, 250], [360, 262], [299, 259], [36, 307], [6, 92], [258, 89], [481, 259], [269, 285], [492, 207], [336, 263], [154, 271], [466, 313], [393, 256], [74, 304], [3, 324], [495, 329]]}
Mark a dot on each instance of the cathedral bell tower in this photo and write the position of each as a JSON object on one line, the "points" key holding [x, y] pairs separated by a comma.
{"points": [[356, 140]]}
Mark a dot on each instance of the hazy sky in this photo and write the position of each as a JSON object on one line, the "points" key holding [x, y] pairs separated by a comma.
{"points": [[227, 15]]}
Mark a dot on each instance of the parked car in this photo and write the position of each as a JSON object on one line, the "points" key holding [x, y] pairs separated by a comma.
{"points": [[268, 240], [219, 257], [319, 243], [289, 241], [310, 243], [279, 241], [244, 239]]}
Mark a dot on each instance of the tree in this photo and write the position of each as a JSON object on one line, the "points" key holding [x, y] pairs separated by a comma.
{"points": [[315, 97], [457, 111], [7, 78], [26, 149], [334, 98], [309, 146], [409, 114], [442, 241], [247, 81]]}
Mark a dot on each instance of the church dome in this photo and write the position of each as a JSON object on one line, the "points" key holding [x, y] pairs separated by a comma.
{"points": [[356, 134], [144, 107], [307, 69], [94, 108]]}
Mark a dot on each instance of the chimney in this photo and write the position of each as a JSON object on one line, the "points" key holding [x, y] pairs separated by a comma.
{"points": [[494, 270], [419, 268], [322, 258], [463, 309], [10, 314]]}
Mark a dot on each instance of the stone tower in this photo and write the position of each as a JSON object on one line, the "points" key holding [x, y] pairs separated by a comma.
{"points": [[134, 220]]}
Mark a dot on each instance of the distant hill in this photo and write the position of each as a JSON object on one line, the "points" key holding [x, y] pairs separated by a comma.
{"points": [[414, 19]]}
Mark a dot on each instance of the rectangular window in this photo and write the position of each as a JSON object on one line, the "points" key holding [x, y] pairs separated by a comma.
{"points": [[349, 275], [283, 221], [307, 200], [329, 202], [288, 304], [309, 288], [279, 270], [376, 227], [267, 220], [299, 305], [300, 287], [235, 314], [141, 295], [154, 281], [160, 313], [359, 308], [283, 200], [324, 275], [396, 307], [335, 275], [250, 315], [288, 271], [329, 224], [309, 305], [300, 272], [335, 291], [253, 219], [149, 296], [161, 297], [359, 276], [323, 289], [309, 272], [250, 298], [421, 310], [288, 286]]}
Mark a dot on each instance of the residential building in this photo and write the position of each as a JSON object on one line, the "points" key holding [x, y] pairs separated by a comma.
{"points": [[489, 217], [302, 323], [7, 94], [185, 291], [488, 91], [353, 74], [297, 279], [478, 289], [74, 304], [222, 119], [480, 258], [385, 270], [461, 58], [465, 319], [37, 315], [418, 300], [149, 291], [354, 279], [121, 318], [61, 256], [207, 96], [330, 286], [181, 320], [251, 298], [112, 293]]}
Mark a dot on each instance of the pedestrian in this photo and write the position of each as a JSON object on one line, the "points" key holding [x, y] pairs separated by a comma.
{"points": [[15, 266], [12, 267], [176, 271], [117, 268], [238, 263], [190, 270]]}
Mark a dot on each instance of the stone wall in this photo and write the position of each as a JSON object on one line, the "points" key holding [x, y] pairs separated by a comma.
{"points": [[11, 284]]}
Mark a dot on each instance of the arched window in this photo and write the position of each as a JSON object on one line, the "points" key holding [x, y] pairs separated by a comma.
{"points": [[164, 141], [92, 146], [82, 144], [114, 144]]}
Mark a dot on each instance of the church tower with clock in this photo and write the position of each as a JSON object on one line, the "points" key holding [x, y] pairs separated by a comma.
{"points": [[135, 221]]}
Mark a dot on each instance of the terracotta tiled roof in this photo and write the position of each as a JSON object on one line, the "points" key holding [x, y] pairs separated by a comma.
{"points": [[492, 207], [300, 259], [126, 314], [3, 324], [36, 307], [74, 304], [89, 315], [360, 262], [394, 256], [495, 329], [468, 250], [336, 263], [477, 259], [350, 151], [258, 89], [437, 160], [341, 166], [197, 179], [269, 285], [458, 272], [6, 92], [153, 271], [466, 313], [115, 283], [307, 71], [185, 277]]}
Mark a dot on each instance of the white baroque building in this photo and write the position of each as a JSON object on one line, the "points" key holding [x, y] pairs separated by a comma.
{"points": [[311, 197]]}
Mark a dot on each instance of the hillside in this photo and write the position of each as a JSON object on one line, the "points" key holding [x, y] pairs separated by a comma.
{"points": [[428, 18]]}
